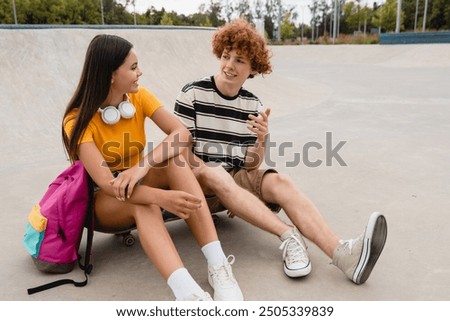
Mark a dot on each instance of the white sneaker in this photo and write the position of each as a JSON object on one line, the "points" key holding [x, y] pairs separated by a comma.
{"points": [[295, 256], [222, 280], [195, 297]]}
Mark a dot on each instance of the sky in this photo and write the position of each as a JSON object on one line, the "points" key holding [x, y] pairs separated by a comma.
{"points": [[188, 7]]}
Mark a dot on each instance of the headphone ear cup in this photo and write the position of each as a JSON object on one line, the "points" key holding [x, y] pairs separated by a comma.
{"points": [[110, 115], [127, 109]]}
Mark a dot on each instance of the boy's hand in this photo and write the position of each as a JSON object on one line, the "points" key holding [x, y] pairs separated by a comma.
{"points": [[259, 124]]}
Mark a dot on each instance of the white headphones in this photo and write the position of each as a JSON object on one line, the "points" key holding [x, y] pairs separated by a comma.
{"points": [[111, 115]]}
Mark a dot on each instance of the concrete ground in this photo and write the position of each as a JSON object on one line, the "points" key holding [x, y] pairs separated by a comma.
{"points": [[388, 105]]}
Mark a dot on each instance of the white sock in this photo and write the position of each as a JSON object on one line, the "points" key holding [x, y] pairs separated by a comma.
{"points": [[183, 284], [214, 253]]}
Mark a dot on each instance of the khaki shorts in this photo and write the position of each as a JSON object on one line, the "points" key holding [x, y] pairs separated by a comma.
{"points": [[248, 180]]}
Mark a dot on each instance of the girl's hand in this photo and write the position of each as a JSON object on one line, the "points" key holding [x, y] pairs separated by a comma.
{"points": [[259, 124], [125, 182], [180, 203]]}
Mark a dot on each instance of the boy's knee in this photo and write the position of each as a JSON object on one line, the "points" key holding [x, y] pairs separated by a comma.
{"points": [[284, 180], [278, 183], [215, 179]]}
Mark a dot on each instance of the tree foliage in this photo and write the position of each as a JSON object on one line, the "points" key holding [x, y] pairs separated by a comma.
{"points": [[279, 19]]}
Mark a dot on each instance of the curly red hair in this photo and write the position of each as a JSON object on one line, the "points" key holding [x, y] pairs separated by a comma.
{"points": [[241, 36]]}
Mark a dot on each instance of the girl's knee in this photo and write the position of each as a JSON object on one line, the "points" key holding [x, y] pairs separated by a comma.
{"points": [[147, 212], [171, 166], [179, 161]]}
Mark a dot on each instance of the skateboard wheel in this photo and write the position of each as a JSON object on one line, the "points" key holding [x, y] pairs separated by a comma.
{"points": [[128, 240]]}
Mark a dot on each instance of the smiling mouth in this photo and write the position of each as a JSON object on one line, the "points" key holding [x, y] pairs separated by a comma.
{"points": [[228, 74]]}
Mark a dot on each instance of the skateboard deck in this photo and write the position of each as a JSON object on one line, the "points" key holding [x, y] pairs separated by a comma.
{"points": [[128, 238]]}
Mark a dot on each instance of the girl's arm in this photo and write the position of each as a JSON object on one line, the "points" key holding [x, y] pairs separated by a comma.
{"points": [[178, 202], [178, 137]]}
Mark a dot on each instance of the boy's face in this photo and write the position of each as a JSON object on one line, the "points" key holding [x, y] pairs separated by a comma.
{"points": [[234, 68]]}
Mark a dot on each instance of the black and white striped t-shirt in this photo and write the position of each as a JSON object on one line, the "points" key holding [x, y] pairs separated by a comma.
{"points": [[217, 122]]}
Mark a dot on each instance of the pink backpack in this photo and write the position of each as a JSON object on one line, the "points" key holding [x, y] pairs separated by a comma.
{"points": [[55, 226]]}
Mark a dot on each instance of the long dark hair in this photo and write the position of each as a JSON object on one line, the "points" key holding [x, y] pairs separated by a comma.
{"points": [[105, 54]]}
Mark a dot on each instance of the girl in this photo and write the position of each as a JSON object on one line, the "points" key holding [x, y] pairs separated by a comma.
{"points": [[103, 126]]}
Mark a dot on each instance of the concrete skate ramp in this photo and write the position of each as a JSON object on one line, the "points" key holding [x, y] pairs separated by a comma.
{"points": [[41, 68], [387, 105]]}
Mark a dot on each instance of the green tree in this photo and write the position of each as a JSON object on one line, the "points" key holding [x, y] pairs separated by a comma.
{"points": [[115, 13], [6, 12], [242, 9], [166, 20], [40, 11], [409, 10], [352, 17], [287, 27], [153, 16], [81, 12], [324, 16], [259, 9], [213, 13], [386, 16], [439, 15], [228, 9]]}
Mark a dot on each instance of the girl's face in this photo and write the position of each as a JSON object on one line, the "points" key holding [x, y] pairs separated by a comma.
{"points": [[234, 68], [125, 78]]}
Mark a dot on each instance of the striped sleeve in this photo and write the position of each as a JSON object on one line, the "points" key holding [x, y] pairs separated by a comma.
{"points": [[184, 108]]}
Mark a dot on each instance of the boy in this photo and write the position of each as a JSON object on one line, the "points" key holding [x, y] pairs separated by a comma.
{"points": [[230, 129]]}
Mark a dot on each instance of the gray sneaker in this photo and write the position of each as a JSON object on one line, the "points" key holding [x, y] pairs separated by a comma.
{"points": [[222, 280], [357, 257], [295, 256]]}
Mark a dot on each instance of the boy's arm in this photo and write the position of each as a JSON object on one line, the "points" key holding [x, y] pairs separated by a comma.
{"points": [[260, 126], [185, 112]]}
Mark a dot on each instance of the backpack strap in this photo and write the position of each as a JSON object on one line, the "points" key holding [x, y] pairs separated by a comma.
{"points": [[87, 267]]}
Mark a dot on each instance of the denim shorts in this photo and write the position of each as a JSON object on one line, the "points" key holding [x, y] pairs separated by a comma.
{"points": [[115, 174]]}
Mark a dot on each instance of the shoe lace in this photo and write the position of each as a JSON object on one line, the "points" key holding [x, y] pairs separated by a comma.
{"points": [[294, 250], [222, 274]]}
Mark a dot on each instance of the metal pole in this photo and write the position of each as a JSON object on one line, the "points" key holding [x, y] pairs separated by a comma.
{"points": [[134, 5], [335, 21], [365, 22], [381, 17], [331, 22], [399, 16], [303, 20], [415, 17], [279, 21], [101, 10], [313, 21], [14, 11], [425, 16], [339, 18]]}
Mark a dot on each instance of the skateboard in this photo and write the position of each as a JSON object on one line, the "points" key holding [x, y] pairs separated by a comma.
{"points": [[128, 238]]}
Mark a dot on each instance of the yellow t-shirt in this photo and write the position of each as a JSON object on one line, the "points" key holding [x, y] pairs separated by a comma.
{"points": [[120, 144]]}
